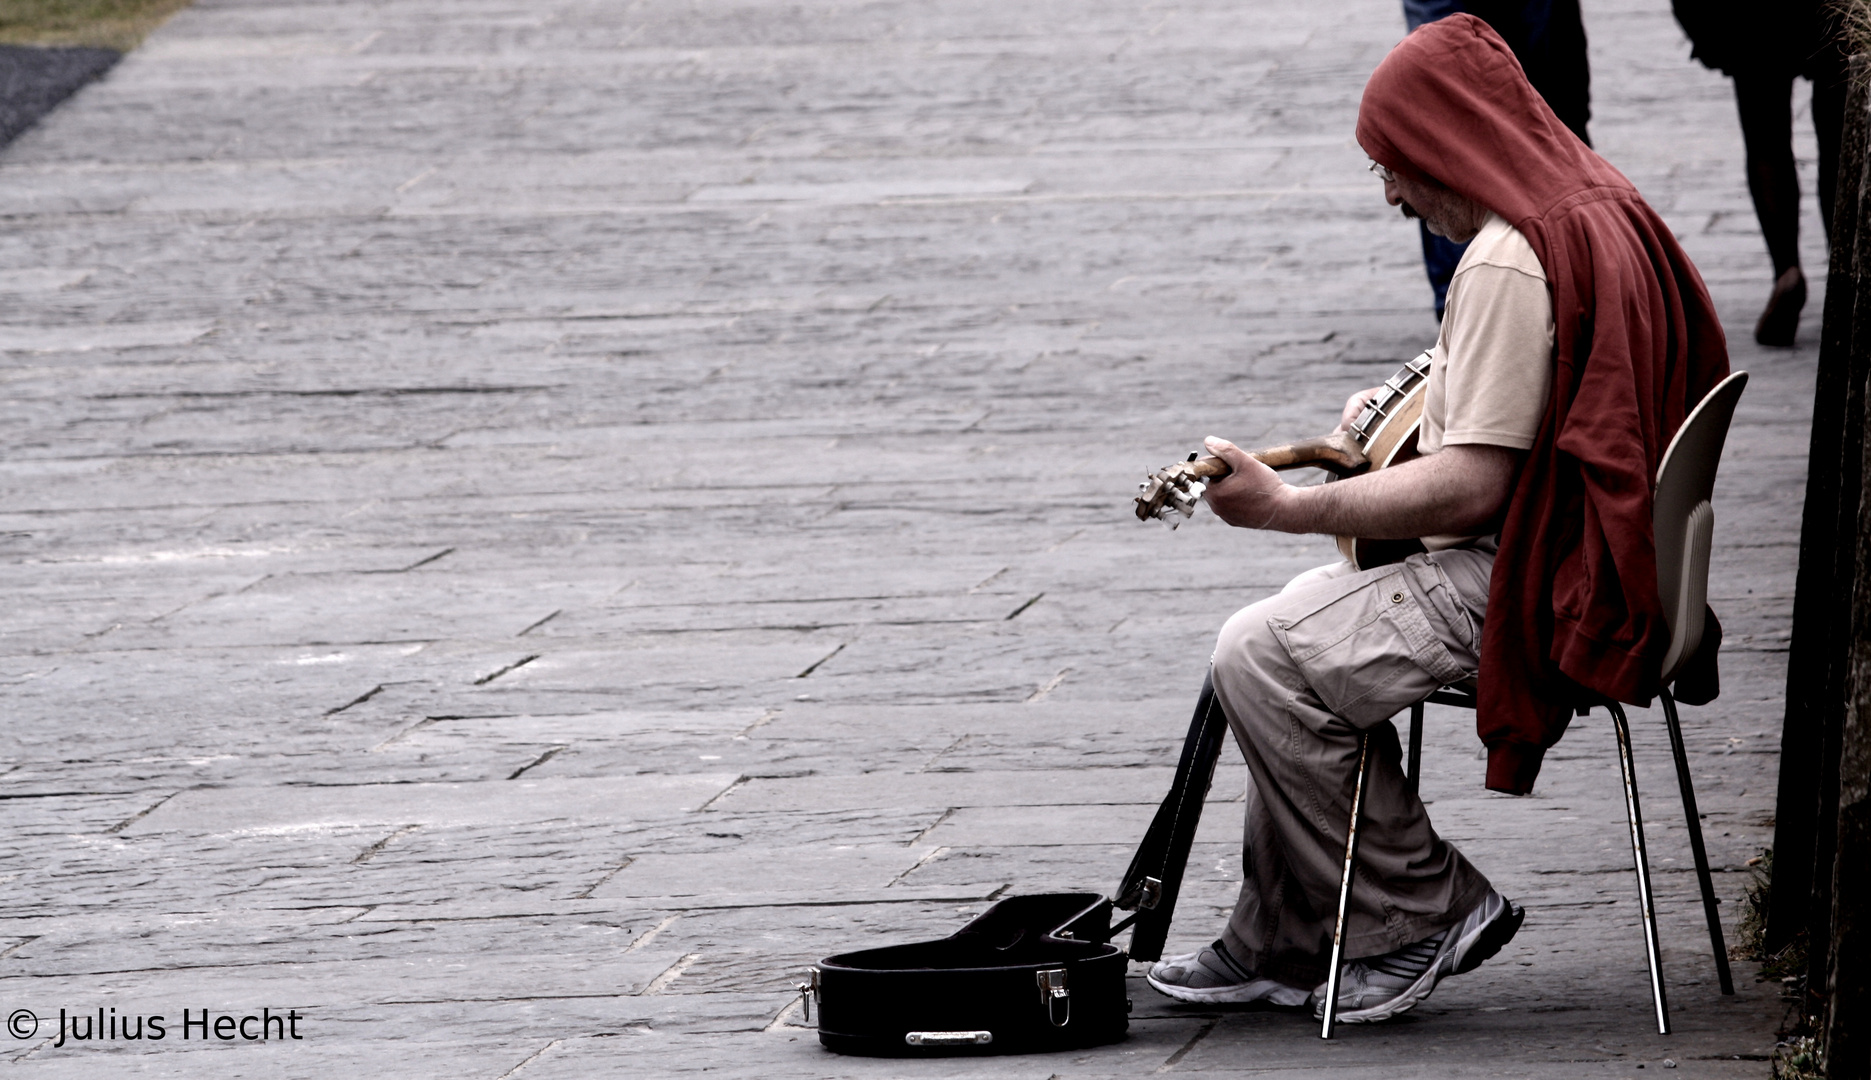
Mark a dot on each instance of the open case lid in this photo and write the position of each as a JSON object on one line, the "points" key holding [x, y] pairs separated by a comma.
{"points": [[1154, 880]]}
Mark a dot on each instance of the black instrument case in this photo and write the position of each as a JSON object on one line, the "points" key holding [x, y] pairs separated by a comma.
{"points": [[1032, 973]]}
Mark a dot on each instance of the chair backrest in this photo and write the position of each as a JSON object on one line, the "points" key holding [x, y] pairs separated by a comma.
{"points": [[1685, 521]]}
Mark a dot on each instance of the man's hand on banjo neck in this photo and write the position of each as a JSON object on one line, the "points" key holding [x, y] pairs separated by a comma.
{"points": [[1458, 490]]}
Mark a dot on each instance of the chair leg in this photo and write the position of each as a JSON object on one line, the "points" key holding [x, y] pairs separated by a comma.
{"points": [[1653, 950], [1695, 845], [1344, 891], [1416, 748]]}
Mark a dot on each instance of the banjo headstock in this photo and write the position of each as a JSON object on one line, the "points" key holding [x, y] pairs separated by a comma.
{"points": [[1169, 494]]}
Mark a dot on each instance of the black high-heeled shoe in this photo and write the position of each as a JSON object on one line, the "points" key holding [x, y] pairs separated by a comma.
{"points": [[1781, 319]]}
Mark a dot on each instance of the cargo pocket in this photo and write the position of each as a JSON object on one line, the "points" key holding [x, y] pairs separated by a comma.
{"points": [[1366, 648]]}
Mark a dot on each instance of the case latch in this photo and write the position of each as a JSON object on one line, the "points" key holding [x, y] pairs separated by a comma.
{"points": [[1053, 994], [809, 990]]}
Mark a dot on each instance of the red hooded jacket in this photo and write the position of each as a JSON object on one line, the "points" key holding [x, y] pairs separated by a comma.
{"points": [[1572, 608]]}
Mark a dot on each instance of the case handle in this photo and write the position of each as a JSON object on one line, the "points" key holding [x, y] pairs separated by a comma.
{"points": [[949, 1038]]}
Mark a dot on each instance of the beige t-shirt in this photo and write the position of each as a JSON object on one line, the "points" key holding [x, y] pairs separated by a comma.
{"points": [[1492, 367]]}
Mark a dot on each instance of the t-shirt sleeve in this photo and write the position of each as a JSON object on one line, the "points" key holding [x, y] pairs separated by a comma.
{"points": [[1499, 353]]}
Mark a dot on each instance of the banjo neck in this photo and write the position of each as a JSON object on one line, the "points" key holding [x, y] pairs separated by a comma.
{"points": [[1337, 453], [1383, 434]]}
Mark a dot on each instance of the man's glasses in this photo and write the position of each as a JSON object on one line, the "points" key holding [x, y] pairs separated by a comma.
{"points": [[1383, 174]]}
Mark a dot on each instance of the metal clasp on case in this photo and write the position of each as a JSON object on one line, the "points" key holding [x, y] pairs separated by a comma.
{"points": [[1152, 894], [949, 1038], [1052, 991], [809, 990]]}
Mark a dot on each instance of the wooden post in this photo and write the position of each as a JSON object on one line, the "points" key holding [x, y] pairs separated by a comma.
{"points": [[1822, 836], [1819, 658], [1847, 985], [1848, 979]]}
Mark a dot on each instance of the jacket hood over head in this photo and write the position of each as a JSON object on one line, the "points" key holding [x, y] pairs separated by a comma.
{"points": [[1573, 612], [1451, 103]]}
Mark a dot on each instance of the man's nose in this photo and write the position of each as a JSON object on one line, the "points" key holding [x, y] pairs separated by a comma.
{"points": [[1392, 194]]}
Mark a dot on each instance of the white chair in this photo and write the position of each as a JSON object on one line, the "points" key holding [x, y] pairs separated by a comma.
{"points": [[1684, 522]]}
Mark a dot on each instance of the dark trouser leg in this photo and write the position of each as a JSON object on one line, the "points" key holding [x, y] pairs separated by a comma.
{"points": [[1300, 676], [1766, 106]]}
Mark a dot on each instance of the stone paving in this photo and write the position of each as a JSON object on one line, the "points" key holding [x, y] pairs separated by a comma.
{"points": [[525, 525]]}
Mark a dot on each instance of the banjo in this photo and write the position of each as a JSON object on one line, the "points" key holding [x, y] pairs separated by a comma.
{"points": [[1384, 434]]}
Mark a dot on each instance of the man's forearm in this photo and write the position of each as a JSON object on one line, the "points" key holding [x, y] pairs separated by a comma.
{"points": [[1459, 490]]}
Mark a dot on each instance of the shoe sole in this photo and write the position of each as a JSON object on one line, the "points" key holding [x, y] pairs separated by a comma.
{"points": [[1488, 940], [1263, 991], [1494, 935]]}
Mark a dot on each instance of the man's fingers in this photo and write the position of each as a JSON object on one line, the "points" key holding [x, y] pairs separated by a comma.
{"points": [[1246, 472], [1226, 451], [1250, 494], [1353, 406]]}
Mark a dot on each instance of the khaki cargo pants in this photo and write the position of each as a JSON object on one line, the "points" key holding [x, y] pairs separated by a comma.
{"points": [[1299, 675]]}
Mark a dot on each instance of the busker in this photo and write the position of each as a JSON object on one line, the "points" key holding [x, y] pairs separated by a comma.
{"points": [[1578, 336]]}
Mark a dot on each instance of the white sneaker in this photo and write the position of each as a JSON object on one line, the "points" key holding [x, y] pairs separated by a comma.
{"points": [[1379, 987], [1211, 977]]}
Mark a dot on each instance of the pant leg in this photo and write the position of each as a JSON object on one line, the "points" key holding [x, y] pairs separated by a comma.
{"points": [[1765, 102], [1299, 676], [1418, 12]]}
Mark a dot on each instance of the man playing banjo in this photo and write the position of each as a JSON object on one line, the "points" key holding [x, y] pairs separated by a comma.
{"points": [[1577, 337]]}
